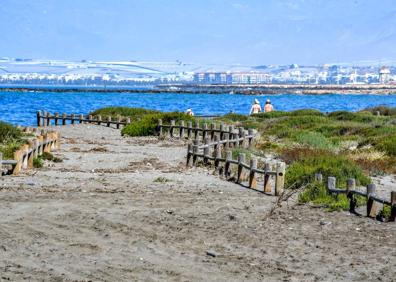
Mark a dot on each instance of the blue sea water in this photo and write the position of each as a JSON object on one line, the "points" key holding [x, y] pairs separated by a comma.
{"points": [[21, 107]]}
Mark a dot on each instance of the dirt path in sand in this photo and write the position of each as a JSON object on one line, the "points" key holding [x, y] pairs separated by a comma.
{"points": [[102, 215]]}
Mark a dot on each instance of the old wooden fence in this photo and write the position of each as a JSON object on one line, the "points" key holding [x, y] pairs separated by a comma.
{"points": [[48, 119], [212, 145], [370, 194], [23, 157]]}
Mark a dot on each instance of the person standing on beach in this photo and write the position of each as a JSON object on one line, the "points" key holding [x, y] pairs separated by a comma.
{"points": [[256, 108], [189, 112], [268, 106]]}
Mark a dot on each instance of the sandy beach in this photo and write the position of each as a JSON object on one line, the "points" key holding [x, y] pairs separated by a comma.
{"points": [[127, 209]]}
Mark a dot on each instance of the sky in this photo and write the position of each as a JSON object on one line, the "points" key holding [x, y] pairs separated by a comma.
{"points": [[246, 32]]}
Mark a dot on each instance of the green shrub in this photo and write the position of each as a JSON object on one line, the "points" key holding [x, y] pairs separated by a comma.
{"points": [[317, 194], [384, 110], [148, 124], [50, 157], [302, 170], [350, 116], [235, 117], [387, 144], [314, 140], [133, 113], [38, 162], [8, 133]]}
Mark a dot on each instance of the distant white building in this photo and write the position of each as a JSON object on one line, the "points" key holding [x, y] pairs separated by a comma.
{"points": [[384, 74]]}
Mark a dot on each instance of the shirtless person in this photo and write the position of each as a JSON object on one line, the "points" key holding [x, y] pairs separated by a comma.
{"points": [[268, 106], [256, 108]]}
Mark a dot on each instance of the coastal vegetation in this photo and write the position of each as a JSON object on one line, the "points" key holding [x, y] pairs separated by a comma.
{"points": [[11, 138], [341, 144]]}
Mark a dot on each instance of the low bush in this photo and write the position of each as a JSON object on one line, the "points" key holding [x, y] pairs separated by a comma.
{"points": [[316, 193], [50, 157], [315, 140], [8, 133], [304, 167], [351, 116], [133, 113], [38, 163], [384, 110], [148, 124]]}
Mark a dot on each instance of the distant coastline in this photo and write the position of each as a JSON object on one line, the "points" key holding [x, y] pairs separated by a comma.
{"points": [[246, 89]]}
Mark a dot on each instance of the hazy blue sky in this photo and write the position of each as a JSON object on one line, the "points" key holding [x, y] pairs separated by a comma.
{"points": [[203, 31]]}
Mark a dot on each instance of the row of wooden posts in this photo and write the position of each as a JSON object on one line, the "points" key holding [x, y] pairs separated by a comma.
{"points": [[48, 119], [369, 194], [23, 157], [194, 131], [211, 143]]}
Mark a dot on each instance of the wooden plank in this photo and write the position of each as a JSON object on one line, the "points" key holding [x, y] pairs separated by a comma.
{"points": [[227, 166], [393, 207], [39, 119], [241, 160], [371, 205], [267, 184], [195, 151], [160, 129], [280, 178], [252, 175]]}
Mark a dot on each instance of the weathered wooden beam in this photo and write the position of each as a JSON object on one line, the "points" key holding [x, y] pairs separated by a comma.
{"points": [[241, 160], [227, 166], [189, 130], [393, 207], [252, 175], [206, 151], [267, 184], [56, 119], [172, 128], [39, 119], [181, 129], [64, 118], [280, 178], [160, 128], [371, 205], [195, 151]]}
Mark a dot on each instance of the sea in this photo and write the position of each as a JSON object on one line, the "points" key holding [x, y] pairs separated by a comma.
{"points": [[20, 108]]}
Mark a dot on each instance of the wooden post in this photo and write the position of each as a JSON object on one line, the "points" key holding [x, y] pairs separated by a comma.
{"points": [[331, 183], [31, 154], [252, 175], [227, 138], [196, 130], [39, 123], [181, 129], [235, 138], [36, 144], [215, 140], [195, 151], [73, 118], [160, 129], [108, 121], [41, 146], [371, 206], [56, 119], [64, 119], [318, 177], [47, 147], [267, 184], [227, 170], [212, 131], [241, 160], [81, 118], [189, 153], [90, 118], [250, 133], [128, 120], [222, 131], [18, 158], [241, 134], [280, 178], [217, 156], [25, 157], [99, 119], [1, 164], [351, 184], [205, 131], [378, 113], [172, 128], [206, 151], [48, 122], [118, 121], [230, 135], [393, 207], [189, 130]]}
